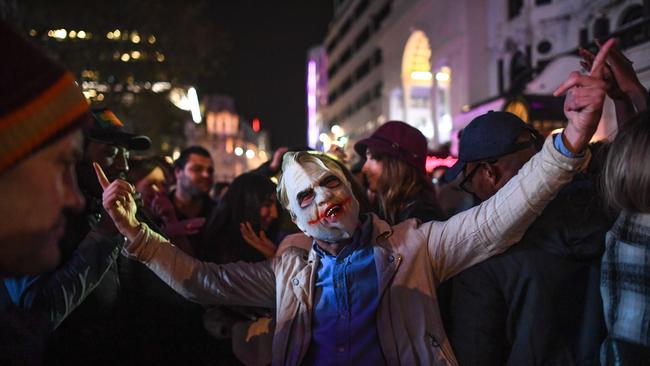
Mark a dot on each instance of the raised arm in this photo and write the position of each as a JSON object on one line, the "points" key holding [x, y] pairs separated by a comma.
{"points": [[490, 228], [206, 283]]}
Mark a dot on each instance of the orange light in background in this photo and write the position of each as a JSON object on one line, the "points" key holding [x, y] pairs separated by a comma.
{"points": [[256, 124]]}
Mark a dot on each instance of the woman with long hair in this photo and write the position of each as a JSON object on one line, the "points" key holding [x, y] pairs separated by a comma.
{"points": [[625, 272], [250, 200], [395, 171]]}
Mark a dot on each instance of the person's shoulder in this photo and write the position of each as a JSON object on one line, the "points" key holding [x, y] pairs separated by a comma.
{"points": [[293, 251], [291, 261], [406, 233], [294, 241]]}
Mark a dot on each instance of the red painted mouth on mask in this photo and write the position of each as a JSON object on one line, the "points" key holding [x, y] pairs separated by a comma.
{"points": [[332, 211]]}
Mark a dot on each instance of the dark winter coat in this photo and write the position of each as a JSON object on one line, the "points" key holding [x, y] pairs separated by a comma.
{"points": [[539, 302]]}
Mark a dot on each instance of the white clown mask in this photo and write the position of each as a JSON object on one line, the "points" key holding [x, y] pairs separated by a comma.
{"points": [[321, 201]]}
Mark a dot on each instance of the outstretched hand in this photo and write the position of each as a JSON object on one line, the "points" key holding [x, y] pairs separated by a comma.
{"points": [[118, 201], [583, 105], [259, 242], [622, 82]]}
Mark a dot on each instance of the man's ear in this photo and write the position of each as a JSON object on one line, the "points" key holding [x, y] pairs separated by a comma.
{"points": [[491, 174]]}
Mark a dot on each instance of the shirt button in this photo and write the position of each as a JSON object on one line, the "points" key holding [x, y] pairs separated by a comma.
{"points": [[296, 282], [341, 349]]}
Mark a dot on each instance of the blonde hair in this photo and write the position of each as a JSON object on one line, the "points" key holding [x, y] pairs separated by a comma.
{"points": [[626, 175]]}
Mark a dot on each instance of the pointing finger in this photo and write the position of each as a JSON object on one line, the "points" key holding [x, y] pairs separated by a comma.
{"points": [[599, 61], [101, 177]]}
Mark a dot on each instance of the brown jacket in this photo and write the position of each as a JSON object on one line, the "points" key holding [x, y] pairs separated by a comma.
{"points": [[411, 259]]}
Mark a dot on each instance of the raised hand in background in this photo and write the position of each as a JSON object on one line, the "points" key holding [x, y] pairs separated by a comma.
{"points": [[623, 85], [583, 106]]}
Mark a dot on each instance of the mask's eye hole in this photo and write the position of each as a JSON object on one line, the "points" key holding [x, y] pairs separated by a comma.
{"points": [[305, 198], [331, 182]]}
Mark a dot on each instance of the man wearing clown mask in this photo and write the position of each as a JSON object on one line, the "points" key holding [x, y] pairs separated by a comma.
{"points": [[325, 208], [366, 292]]}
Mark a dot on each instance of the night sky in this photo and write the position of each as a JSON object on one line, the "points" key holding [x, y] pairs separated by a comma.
{"points": [[265, 70]]}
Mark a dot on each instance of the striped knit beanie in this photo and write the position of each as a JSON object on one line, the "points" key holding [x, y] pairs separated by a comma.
{"points": [[39, 100]]}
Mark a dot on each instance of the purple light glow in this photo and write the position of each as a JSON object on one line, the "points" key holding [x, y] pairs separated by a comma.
{"points": [[312, 127]]}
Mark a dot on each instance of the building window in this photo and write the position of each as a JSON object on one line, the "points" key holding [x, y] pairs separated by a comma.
{"points": [[631, 14], [636, 35], [362, 38], [542, 2], [519, 72], [362, 70], [584, 37], [382, 15], [601, 28], [363, 5], [514, 8], [377, 57], [345, 56]]}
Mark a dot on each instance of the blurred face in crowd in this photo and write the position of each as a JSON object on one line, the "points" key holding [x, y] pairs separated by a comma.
{"points": [[195, 178], [321, 201], [372, 169], [153, 183], [112, 158], [268, 212], [484, 179], [34, 195]]}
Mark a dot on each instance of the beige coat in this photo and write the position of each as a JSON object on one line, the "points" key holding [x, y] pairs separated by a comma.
{"points": [[411, 259]]}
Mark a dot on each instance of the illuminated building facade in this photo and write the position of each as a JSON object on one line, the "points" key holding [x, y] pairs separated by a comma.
{"points": [[236, 144], [535, 48], [404, 60], [438, 64]]}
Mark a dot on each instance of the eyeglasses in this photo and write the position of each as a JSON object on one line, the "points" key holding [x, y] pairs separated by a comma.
{"points": [[468, 178], [515, 148]]}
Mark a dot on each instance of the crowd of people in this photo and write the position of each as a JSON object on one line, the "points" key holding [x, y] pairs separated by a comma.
{"points": [[530, 250]]}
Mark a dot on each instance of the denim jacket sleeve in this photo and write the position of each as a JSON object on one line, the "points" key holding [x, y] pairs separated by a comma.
{"points": [[490, 228], [245, 284], [56, 294]]}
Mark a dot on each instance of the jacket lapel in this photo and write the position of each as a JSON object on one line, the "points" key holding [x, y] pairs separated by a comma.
{"points": [[386, 260], [304, 281], [387, 264]]}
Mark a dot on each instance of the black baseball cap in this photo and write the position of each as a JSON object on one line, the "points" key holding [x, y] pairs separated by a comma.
{"points": [[489, 136], [108, 129]]}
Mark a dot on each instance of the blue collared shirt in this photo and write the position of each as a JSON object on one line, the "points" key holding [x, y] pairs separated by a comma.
{"points": [[346, 300]]}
